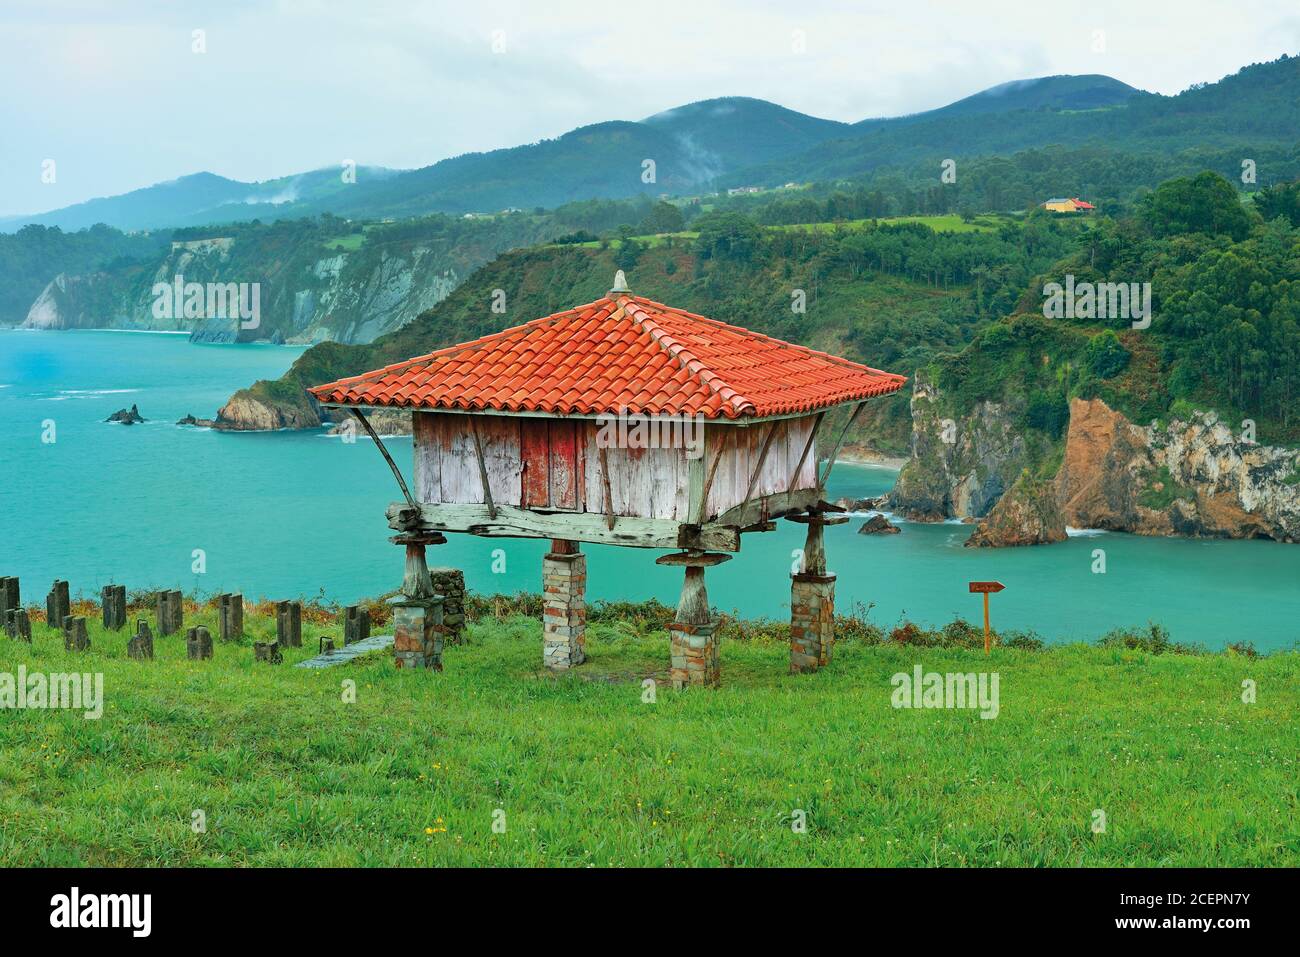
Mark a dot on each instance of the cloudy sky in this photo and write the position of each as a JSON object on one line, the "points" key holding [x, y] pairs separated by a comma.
{"points": [[116, 95]]}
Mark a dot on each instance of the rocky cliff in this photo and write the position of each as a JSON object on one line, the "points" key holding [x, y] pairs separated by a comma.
{"points": [[958, 467], [306, 291], [1193, 476], [1028, 514]]}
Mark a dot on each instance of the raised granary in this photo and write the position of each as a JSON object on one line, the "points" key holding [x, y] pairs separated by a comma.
{"points": [[621, 422]]}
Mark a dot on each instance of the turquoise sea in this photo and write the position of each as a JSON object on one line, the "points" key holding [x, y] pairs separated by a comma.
{"points": [[284, 515]]}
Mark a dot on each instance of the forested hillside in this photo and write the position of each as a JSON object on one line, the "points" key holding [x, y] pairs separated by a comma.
{"points": [[34, 255], [1224, 331], [893, 296]]}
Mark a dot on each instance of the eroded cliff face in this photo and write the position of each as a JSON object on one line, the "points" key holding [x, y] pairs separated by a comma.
{"points": [[1197, 478], [305, 292], [1192, 477], [958, 468]]}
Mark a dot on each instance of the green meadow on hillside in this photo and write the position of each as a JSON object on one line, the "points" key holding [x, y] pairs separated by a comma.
{"points": [[582, 770]]}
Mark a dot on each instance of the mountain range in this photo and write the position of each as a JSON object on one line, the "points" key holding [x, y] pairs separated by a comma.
{"points": [[693, 148]]}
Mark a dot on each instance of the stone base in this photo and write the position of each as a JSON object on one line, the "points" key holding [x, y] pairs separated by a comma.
{"points": [[812, 621], [564, 617], [449, 585], [694, 650], [418, 633]]}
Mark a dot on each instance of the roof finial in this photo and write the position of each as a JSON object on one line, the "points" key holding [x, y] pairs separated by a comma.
{"points": [[620, 284]]}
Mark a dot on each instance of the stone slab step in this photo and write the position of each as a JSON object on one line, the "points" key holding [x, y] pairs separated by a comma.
{"points": [[341, 655]]}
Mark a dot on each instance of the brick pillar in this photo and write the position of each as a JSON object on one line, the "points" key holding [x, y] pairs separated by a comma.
{"points": [[812, 598], [417, 633], [693, 634], [812, 621], [694, 650], [564, 617], [418, 629]]}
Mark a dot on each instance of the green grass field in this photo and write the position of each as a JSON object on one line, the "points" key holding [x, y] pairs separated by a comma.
{"points": [[587, 773]]}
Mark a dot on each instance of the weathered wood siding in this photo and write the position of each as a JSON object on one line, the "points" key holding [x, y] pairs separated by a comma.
{"points": [[446, 465], [650, 483], [741, 447], [555, 464]]}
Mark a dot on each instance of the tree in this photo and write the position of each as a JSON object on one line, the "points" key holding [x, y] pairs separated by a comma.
{"points": [[1106, 355], [663, 217], [727, 236], [1204, 203]]}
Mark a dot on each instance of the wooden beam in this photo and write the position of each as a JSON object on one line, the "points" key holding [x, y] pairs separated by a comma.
{"points": [[397, 473], [830, 464], [482, 469], [702, 514], [609, 495], [756, 512], [512, 522], [762, 457], [817, 424]]}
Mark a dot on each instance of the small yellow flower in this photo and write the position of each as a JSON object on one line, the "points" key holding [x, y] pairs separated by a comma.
{"points": [[428, 830]]}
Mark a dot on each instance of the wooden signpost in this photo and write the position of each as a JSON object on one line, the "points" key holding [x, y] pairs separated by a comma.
{"points": [[986, 589]]}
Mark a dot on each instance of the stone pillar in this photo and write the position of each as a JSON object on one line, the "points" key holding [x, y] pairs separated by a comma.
{"points": [[74, 634], [812, 598], [113, 602], [18, 625], [417, 633], [693, 636], [230, 616], [268, 651], [140, 646], [57, 604], [288, 624], [564, 613], [417, 614], [449, 585], [812, 621], [171, 612], [198, 643], [10, 597], [356, 624]]}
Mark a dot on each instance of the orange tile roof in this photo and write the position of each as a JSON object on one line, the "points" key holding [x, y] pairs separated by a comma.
{"points": [[621, 353]]}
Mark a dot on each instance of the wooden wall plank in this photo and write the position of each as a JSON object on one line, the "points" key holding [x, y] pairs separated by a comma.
{"points": [[535, 446], [563, 463]]}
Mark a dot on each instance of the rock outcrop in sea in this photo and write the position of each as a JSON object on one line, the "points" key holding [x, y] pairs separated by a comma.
{"points": [[126, 416]]}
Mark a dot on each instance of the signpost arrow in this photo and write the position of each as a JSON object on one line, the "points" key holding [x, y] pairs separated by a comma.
{"points": [[986, 589]]}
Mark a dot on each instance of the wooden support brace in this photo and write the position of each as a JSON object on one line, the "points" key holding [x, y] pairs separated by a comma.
{"points": [[812, 435], [708, 481], [609, 495], [762, 457], [397, 473], [482, 468], [821, 483]]}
